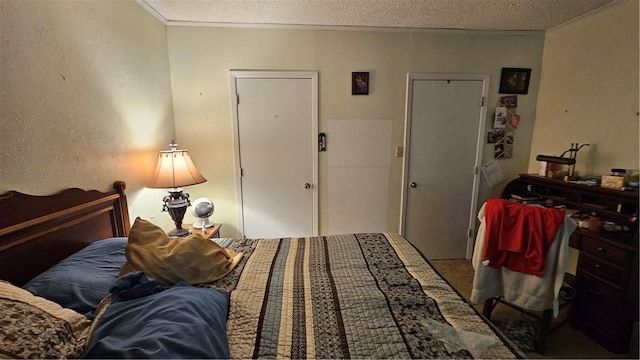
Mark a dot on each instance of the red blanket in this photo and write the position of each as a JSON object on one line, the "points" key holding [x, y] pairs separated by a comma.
{"points": [[518, 235]]}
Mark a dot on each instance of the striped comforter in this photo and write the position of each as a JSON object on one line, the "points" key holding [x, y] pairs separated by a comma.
{"points": [[344, 296]]}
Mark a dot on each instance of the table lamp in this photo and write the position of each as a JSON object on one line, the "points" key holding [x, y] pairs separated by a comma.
{"points": [[571, 160], [174, 170]]}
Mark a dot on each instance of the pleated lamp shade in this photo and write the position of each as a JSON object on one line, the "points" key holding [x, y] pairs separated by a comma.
{"points": [[175, 169]]}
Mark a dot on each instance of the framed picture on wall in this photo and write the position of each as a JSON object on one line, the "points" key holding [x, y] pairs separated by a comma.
{"points": [[515, 81], [359, 83]]}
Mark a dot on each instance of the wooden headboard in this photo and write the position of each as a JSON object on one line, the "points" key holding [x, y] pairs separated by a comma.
{"points": [[36, 232]]}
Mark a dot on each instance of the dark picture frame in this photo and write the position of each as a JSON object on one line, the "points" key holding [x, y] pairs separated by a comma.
{"points": [[359, 83], [515, 81]]}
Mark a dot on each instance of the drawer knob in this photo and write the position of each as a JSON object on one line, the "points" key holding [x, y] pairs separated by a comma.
{"points": [[600, 249], [597, 266]]}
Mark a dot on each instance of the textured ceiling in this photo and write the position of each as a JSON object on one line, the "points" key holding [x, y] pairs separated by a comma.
{"points": [[498, 15]]}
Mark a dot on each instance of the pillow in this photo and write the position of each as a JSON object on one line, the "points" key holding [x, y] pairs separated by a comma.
{"points": [[193, 259], [33, 327], [81, 280], [152, 326]]}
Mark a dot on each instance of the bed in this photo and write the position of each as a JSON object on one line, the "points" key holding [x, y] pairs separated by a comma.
{"points": [[345, 296]]}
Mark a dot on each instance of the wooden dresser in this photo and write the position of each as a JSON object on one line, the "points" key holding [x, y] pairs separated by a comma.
{"points": [[606, 304]]}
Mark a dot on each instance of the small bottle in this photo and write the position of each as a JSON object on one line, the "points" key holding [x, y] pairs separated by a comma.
{"points": [[594, 222]]}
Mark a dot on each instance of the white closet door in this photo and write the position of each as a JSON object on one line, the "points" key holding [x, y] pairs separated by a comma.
{"points": [[276, 132], [443, 152]]}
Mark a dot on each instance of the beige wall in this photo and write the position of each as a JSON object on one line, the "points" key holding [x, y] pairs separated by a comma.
{"points": [[85, 97], [589, 91], [201, 58]]}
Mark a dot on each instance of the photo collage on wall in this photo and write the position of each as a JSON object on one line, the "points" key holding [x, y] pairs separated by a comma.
{"points": [[504, 124]]}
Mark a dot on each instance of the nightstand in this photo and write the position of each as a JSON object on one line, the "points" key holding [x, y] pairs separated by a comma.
{"points": [[208, 233]]}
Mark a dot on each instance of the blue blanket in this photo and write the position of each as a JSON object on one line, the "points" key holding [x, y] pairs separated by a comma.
{"points": [[145, 320]]}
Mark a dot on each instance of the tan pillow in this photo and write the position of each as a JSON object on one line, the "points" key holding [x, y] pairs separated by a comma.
{"points": [[193, 259]]}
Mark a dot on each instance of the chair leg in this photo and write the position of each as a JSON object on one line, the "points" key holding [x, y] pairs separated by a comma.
{"points": [[543, 332], [488, 307]]}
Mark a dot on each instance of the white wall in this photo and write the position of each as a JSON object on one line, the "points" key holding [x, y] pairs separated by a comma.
{"points": [[201, 58], [589, 91], [85, 98]]}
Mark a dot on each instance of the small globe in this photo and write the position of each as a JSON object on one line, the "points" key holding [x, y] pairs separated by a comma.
{"points": [[202, 207]]}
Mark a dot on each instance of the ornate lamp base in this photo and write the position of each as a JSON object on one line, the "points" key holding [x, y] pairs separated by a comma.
{"points": [[179, 232], [176, 204]]}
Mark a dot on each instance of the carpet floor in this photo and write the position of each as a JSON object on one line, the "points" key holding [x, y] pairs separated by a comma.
{"points": [[564, 342]]}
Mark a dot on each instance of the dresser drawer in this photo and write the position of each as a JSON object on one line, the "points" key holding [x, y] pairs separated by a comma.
{"points": [[602, 269], [613, 341], [608, 321], [601, 294], [604, 251]]}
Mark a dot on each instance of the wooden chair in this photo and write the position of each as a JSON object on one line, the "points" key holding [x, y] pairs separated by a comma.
{"points": [[533, 295]]}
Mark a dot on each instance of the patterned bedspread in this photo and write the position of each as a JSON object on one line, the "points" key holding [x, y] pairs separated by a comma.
{"points": [[344, 296]]}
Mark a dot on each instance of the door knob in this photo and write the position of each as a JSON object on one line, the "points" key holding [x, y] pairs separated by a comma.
{"points": [[413, 184], [307, 186]]}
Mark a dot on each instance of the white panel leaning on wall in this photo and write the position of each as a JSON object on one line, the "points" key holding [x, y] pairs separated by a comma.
{"points": [[359, 160]]}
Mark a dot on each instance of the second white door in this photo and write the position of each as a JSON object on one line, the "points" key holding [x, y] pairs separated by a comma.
{"points": [[444, 119], [276, 150]]}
